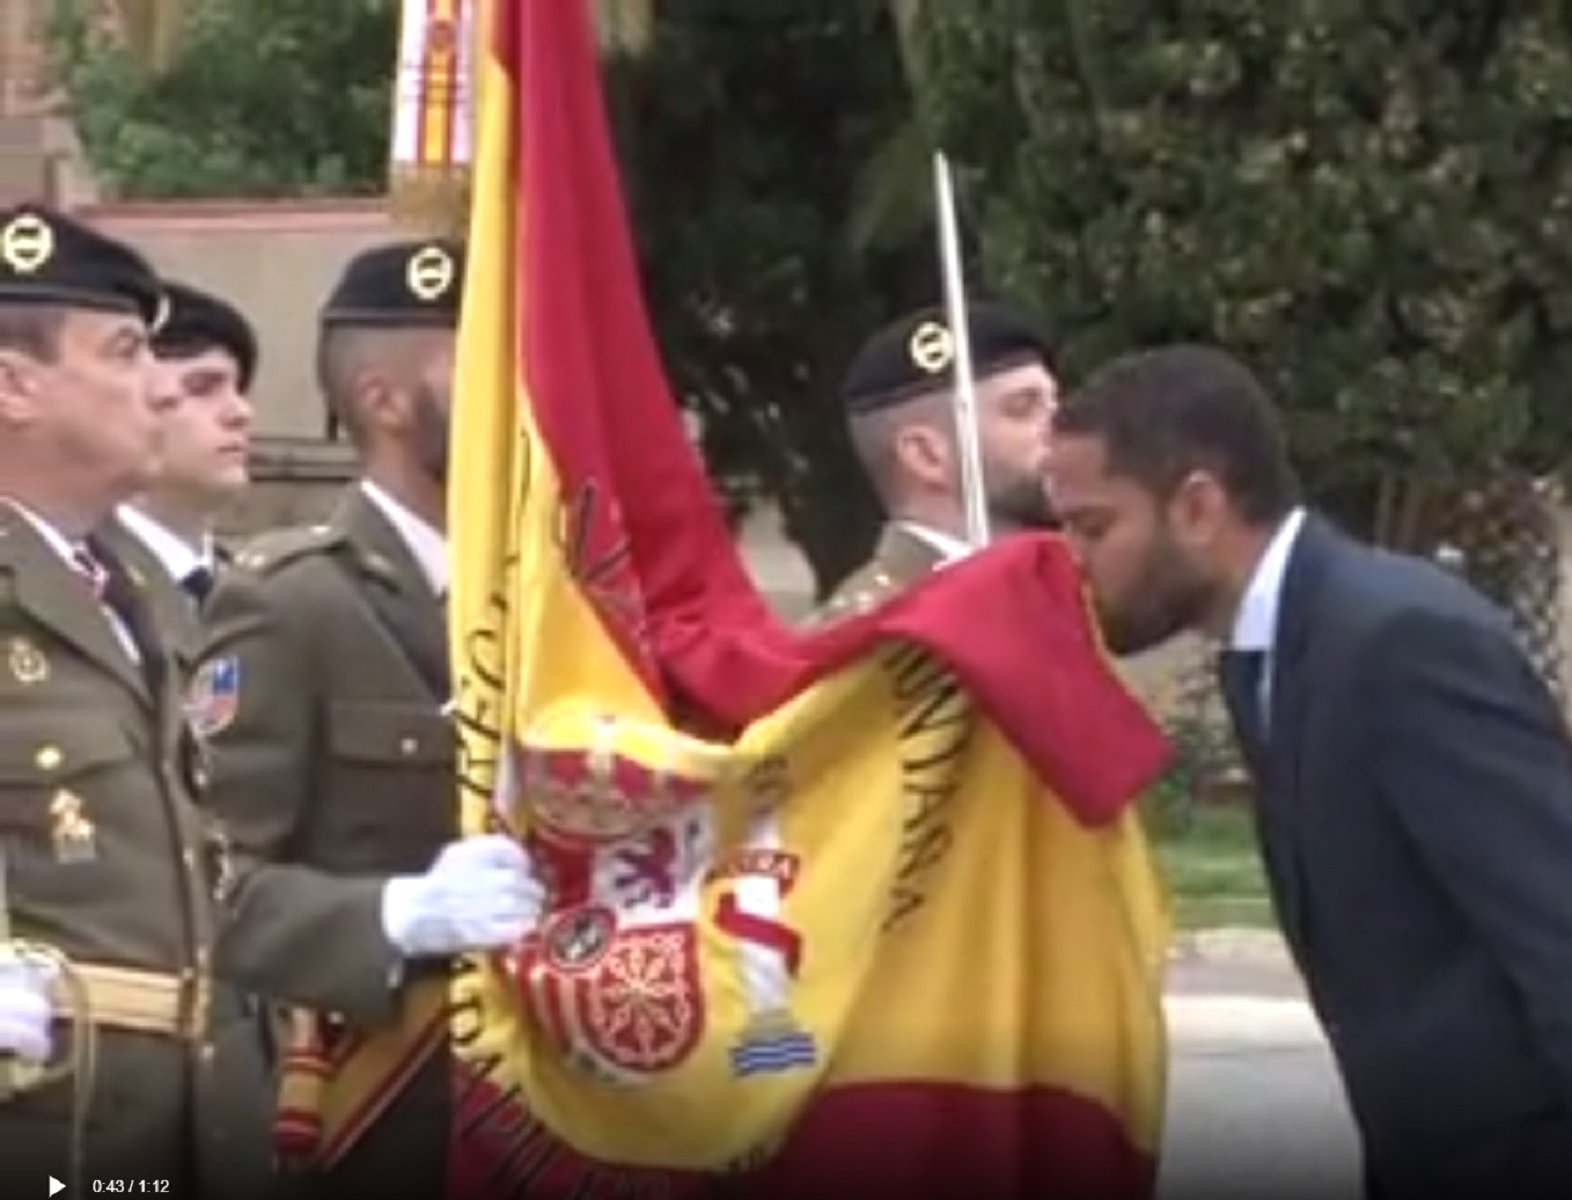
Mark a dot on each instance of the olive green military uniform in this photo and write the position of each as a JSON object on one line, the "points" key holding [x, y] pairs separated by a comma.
{"points": [[334, 771], [241, 1107], [107, 861], [173, 609], [899, 560], [912, 357], [194, 322]]}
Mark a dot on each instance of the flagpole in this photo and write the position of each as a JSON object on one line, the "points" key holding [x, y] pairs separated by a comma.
{"points": [[965, 391]]}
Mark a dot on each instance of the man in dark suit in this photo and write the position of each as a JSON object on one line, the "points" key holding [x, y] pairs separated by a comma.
{"points": [[1413, 774]]}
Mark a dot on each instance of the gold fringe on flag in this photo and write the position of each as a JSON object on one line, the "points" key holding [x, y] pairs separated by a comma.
{"points": [[434, 115]]}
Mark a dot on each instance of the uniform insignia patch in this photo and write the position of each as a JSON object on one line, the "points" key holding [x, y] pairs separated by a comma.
{"points": [[75, 840], [27, 243], [220, 862], [27, 662], [213, 697], [430, 272], [931, 347]]}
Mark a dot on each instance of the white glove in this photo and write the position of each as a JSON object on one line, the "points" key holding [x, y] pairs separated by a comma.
{"points": [[482, 893], [25, 1011]]}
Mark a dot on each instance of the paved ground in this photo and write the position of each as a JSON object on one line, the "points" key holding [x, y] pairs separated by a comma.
{"points": [[1255, 1106]]}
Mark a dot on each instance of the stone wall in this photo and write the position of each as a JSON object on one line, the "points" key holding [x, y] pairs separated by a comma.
{"points": [[276, 261]]}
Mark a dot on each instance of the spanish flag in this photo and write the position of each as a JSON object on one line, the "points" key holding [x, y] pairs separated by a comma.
{"points": [[864, 911]]}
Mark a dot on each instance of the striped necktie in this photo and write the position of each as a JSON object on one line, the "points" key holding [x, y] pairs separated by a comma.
{"points": [[87, 565]]}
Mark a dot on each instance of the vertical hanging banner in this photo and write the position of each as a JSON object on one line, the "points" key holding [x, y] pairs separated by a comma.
{"points": [[863, 911], [434, 114]]}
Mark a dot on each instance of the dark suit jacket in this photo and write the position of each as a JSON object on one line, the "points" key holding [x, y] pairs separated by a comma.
{"points": [[1415, 816]]}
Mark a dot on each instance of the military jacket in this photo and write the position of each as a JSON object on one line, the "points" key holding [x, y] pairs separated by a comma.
{"points": [[176, 615], [320, 696], [106, 857], [108, 862], [900, 559]]}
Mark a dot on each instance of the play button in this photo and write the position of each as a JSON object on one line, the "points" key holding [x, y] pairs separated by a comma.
{"points": [[55, 1185]]}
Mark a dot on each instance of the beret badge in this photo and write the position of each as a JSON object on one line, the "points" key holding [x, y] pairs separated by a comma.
{"points": [[931, 347]]}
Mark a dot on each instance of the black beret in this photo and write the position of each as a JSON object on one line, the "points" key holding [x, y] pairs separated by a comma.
{"points": [[197, 320], [403, 284], [916, 354], [47, 257]]}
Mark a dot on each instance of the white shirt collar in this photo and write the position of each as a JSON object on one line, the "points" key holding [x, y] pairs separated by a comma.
{"points": [[948, 546], [428, 546], [57, 541], [176, 555], [1255, 624]]}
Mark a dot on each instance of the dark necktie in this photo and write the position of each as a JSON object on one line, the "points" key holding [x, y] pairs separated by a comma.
{"points": [[112, 584], [197, 584], [90, 569], [1239, 678]]}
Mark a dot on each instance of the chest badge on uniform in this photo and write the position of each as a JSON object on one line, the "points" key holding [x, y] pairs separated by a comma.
{"points": [[75, 840], [28, 663], [213, 697]]}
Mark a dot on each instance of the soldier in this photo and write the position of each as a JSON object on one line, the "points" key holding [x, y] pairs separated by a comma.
{"points": [[207, 355], [321, 692], [899, 398], [106, 864]]}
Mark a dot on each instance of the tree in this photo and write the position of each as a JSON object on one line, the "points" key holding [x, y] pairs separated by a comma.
{"points": [[1372, 202], [152, 29], [188, 98], [745, 134], [772, 232]]}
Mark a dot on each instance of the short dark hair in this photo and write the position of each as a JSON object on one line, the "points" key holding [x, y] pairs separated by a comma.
{"points": [[340, 358], [34, 329], [1166, 412], [191, 345], [346, 351]]}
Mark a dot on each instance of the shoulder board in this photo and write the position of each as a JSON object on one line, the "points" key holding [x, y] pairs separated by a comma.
{"points": [[863, 590], [267, 552]]}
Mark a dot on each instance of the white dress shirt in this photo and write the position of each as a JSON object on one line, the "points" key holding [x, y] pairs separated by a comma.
{"points": [[71, 554], [1255, 624], [426, 544], [176, 555], [949, 547]]}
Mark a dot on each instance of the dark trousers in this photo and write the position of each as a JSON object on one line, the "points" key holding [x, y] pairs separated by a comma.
{"points": [[1527, 1159], [137, 1121]]}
